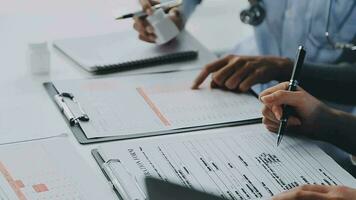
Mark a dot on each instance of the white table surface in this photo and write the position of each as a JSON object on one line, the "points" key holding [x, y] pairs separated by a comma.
{"points": [[25, 108]]}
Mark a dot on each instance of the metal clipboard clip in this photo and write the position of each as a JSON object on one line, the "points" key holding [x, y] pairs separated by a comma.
{"points": [[60, 101], [127, 192]]}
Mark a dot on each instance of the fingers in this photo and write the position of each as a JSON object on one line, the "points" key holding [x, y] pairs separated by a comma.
{"points": [[277, 111], [268, 114], [270, 125], [146, 6], [145, 30], [281, 97], [305, 192], [234, 71], [271, 119], [251, 80], [294, 121], [234, 81], [270, 122], [210, 68], [176, 16], [220, 76], [301, 195], [213, 85], [281, 86], [316, 188]]}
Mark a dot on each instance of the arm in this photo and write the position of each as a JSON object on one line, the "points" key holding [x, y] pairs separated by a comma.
{"points": [[333, 82], [312, 119], [340, 130]]}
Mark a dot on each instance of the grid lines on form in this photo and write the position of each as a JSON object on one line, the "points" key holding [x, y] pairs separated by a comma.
{"points": [[42, 180], [14, 184], [184, 107]]}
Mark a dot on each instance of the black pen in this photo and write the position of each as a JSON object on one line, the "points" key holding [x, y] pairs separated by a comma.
{"points": [[164, 6], [293, 83]]}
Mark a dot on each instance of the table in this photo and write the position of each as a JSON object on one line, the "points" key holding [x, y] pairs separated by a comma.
{"points": [[26, 109]]}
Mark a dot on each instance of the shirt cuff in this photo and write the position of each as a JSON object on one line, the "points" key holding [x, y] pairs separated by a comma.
{"points": [[353, 160]]}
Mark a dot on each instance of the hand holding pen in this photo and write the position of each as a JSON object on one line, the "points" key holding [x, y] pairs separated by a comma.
{"points": [[274, 94], [280, 100], [142, 26], [310, 116]]}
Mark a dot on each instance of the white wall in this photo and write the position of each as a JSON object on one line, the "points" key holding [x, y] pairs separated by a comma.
{"points": [[217, 24]]}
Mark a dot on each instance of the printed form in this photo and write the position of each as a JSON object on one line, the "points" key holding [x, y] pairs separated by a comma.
{"points": [[234, 163], [155, 102], [47, 169]]}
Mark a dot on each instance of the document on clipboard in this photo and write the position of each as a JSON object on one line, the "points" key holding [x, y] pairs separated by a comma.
{"points": [[240, 162], [151, 104]]}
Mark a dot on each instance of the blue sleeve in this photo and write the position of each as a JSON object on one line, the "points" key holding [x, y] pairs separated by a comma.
{"points": [[189, 7]]}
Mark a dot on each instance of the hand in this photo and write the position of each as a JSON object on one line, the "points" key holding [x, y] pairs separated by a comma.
{"points": [[241, 72], [309, 110], [143, 27], [319, 192]]}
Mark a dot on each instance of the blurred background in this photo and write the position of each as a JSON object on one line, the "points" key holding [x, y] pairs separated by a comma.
{"points": [[27, 21]]}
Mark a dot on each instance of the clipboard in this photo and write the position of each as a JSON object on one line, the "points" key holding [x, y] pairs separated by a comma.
{"points": [[154, 186], [100, 161], [74, 122], [116, 183]]}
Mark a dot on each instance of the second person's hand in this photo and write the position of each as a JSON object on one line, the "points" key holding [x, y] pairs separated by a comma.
{"points": [[319, 192], [242, 72], [145, 30], [310, 113]]}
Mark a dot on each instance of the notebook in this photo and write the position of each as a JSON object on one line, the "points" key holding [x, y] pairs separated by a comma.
{"points": [[123, 51]]}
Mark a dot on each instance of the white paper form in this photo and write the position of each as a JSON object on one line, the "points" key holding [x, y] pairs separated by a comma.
{"points": [[47, 169], [155, 102], [235, 163]]}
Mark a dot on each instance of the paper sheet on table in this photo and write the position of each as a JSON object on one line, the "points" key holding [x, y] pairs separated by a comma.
{"points": [[28, 117], [47, 169], [155, 102], [236, 163]]}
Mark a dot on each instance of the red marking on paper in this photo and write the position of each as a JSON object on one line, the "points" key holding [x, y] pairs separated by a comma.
{"points": [[40, 188], [13, 184], [19, 184], [153, 106]]}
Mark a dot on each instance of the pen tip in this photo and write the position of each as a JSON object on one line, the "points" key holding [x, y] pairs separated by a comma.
{"points": [[279, 141], [281, 130]]}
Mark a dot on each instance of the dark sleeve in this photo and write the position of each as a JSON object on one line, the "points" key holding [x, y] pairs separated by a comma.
{"points": [[340, 130], [333, 82], [188, 8]]}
